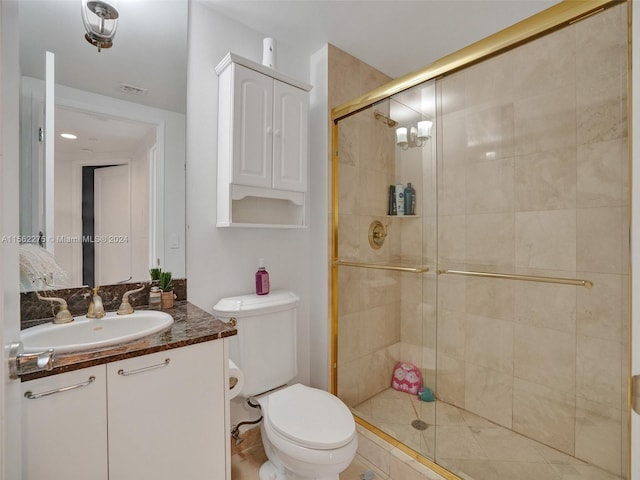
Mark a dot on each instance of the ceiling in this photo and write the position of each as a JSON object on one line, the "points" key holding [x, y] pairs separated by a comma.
{"points": [[394, 36], [150, 47], [98, 134]]}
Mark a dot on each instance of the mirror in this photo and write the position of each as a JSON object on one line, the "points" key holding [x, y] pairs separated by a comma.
{"points": [[119, 186]]}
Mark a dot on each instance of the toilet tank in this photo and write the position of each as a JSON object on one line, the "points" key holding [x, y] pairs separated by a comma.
{"points": [[265, 346]]}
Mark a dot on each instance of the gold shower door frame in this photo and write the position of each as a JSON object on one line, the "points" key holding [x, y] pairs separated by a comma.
{"points": [[554, 18]]}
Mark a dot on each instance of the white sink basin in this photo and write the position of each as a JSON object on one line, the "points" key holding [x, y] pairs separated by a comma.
{"points": [[88, 333]]}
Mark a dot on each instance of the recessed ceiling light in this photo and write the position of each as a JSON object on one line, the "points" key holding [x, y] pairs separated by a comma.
{"points": [[70, 136]]}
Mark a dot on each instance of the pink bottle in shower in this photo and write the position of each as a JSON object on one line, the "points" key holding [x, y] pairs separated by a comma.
{"points": [[262, 279]]}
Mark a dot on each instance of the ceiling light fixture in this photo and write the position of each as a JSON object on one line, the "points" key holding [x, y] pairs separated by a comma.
{"points": [[69, 136], [101, 24]]}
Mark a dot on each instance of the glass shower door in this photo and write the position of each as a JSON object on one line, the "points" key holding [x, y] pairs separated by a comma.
{"points": [[386, 285]]}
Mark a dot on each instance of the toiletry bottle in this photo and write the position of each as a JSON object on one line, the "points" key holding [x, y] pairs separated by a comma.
{"points": [[262, 279], [155, 298], [392, 200], [399, 199], [409, 200]]}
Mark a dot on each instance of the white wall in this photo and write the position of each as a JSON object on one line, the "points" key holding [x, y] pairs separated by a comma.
{"points": [[10, 398], [319, 191], [222, 261]]}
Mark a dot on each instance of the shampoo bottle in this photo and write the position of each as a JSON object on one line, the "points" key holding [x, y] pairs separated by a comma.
{"points": [[262, 279], [392, 200], [409, 200], [399, 199]]}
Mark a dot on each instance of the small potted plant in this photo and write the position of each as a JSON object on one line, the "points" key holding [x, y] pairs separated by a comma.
{"points": [[155, 274], [166, 285]]}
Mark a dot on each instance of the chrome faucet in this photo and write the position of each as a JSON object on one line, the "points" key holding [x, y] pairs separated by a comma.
{"points": [[96, 308]]}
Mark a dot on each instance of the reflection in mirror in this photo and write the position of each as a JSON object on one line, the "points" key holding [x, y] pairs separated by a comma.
{"points": [[122, 179], [102, 197]]}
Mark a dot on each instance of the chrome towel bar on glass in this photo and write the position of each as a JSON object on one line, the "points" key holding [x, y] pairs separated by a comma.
{"points": [[395, 268], [527, 278]]}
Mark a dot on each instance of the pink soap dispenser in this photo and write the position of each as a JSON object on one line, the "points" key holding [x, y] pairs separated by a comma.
{"points": [[262, 279]]}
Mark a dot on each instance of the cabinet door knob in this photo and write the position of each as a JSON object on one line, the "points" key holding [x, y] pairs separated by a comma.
{"points": [[277, 133], [269, 130]]}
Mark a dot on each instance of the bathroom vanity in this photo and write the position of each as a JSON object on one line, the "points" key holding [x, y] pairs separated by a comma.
{"points": [[154, 408]]}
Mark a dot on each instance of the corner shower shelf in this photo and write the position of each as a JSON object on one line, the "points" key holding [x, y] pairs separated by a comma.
{"points": [[379, 266]]}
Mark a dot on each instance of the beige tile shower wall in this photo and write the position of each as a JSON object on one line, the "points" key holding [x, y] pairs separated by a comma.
{"points": [[533, 179], [368, 300]]}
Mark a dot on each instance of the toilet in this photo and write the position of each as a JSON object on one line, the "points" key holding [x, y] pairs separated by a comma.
{"points": [[307, 433]]}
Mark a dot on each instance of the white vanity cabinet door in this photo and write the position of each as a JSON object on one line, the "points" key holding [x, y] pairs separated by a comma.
{"points": [[290, 131], [252, 128], [167, 415], [65, 433]]}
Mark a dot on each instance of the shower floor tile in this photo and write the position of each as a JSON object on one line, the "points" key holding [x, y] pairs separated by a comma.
{"points": [[469, 445]]}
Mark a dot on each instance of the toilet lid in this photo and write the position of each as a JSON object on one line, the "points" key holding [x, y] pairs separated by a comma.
{"points": [[311, 417]]}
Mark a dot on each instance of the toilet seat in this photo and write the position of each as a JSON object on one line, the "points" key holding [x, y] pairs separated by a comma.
{"points": [[310, 417]]}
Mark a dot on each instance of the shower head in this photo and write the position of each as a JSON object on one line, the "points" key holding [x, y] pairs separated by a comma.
{"points": [[390, 122]]}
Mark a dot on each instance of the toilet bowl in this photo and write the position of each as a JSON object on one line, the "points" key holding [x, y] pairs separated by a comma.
{"points": [[307, 433]]}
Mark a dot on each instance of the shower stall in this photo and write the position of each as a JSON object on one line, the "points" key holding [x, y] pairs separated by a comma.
{"points": [[507, 287]]}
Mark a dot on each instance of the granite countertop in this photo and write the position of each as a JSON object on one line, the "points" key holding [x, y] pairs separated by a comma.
{"points": [[191, 325]]}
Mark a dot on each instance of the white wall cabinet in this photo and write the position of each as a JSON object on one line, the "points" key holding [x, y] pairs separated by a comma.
{"points": [[160, 416], [262, 145]]}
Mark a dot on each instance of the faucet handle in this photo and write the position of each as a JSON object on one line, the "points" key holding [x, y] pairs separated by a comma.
{"points": [[125, 307], [63, 315]]}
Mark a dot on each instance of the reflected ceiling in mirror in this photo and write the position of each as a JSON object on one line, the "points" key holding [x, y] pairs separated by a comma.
{"points": [[134, 90], [147, 63], [97, 134]]}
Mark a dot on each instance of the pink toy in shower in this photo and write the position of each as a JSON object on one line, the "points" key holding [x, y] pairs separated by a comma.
{"points": [[406, 378]]}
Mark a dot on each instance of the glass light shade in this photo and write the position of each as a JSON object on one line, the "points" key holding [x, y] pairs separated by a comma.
{"points": [[424, 129], [105, 13], [401, 136]]}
